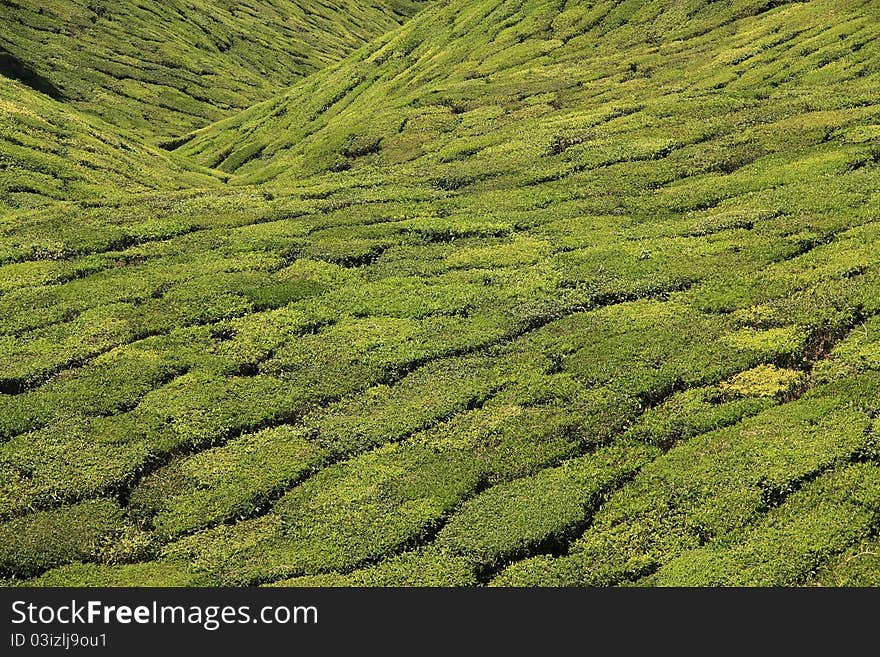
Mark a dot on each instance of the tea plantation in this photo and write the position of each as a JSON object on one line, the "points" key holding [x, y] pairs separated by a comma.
{"points": [[470, 292]]}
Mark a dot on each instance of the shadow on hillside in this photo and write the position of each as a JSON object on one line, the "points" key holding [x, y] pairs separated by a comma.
{"points": [[12, 67]]}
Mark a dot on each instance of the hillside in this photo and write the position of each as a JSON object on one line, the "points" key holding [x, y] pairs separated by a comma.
{"points": [[463, 81], [160, 69], [49, 153], [518, 293]]}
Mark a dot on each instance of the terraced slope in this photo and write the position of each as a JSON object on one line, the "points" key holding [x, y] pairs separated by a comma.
{"points": [[49, 153], [160, 69], [609, 316], [493, 88]]}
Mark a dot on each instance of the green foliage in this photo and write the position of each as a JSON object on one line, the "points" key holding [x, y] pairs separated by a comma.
{"points": [[48, 152], [538, 513], [41, 540], [151, 574], [505, 292], [693, 412], [347, 514], [212, 57], [764, 381], [857, 566], [231, 481], [428, 568], [787, 546], [711, 487]]}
